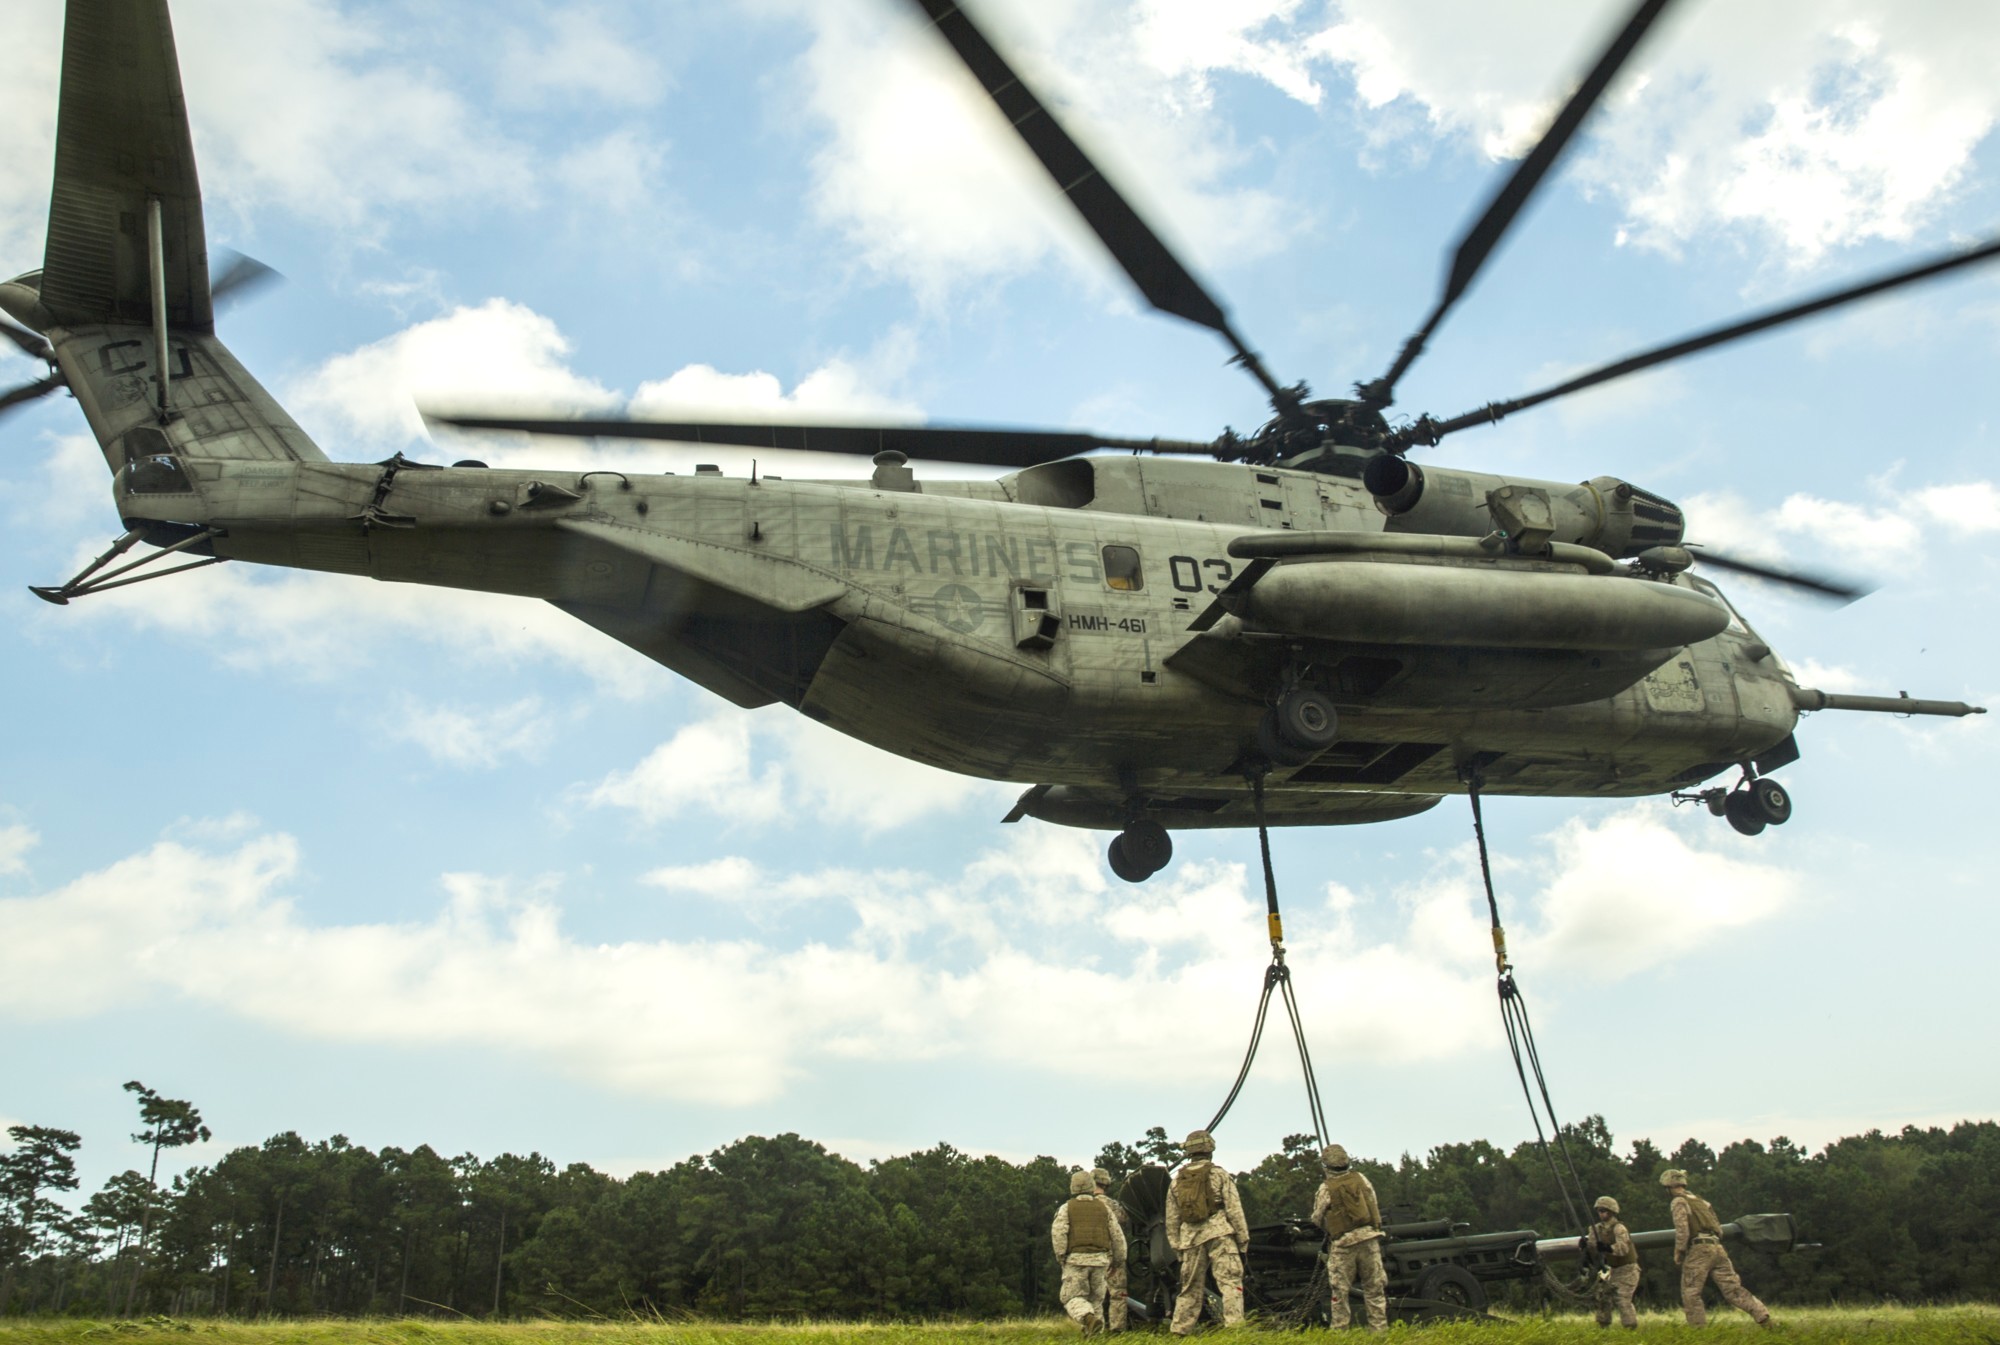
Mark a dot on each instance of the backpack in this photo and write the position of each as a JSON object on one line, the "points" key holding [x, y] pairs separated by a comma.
{"points": [[1347, 1204], [1194, 1195]]}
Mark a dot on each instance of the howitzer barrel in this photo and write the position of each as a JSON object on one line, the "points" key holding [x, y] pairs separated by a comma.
{"points": [[1771, 1232], [1435, 1249], [1423, 1228]]}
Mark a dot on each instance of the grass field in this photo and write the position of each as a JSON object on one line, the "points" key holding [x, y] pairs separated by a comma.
{"points": [[1921, 1326]]}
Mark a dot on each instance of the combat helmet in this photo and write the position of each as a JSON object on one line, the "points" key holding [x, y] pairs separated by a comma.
{"points": [[1082, 1184], [1100, 1176], [1674, 1177], [1334, 1158], [1199, 1142], [1606, 1203]]}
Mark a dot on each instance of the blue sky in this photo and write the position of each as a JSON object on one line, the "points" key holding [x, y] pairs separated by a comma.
{"points": [[416, 866]]}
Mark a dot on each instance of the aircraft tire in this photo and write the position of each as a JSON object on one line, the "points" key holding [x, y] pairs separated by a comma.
{"points": [[1770, 801], [1122, 866], [1275, 748], [1742, 813], [1306, 720], [1147, 845]]}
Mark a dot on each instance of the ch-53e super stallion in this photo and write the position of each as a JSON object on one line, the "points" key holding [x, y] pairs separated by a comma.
{"points": [[1304, 628]]}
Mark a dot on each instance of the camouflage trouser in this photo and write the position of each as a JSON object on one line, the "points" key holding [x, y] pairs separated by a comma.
{"points": [[1082, 1292], [1614, 1294], [1217, 1257], [1115, 1284], [1358, 1263], [1703, 1261]]}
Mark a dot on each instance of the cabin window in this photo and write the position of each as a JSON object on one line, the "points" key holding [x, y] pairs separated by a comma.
{"points": [[1121, 569], [157, 476]]}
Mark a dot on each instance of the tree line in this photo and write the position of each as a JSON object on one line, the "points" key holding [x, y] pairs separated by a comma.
{"points": [[780, 1227]]}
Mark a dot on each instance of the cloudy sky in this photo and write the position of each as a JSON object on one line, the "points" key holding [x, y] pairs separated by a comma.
{"points": [[423, 867]]}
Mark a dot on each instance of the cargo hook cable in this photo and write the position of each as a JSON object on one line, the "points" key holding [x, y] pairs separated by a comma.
{"points": [[1520, 1033], [1277, 976]]}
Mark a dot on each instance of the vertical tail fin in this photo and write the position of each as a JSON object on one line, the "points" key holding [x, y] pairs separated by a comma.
{"points": [[122, 142], [123, 150]]}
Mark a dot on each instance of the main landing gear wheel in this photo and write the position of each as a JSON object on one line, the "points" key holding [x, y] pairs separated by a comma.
{"points": [[1742, 813], [1769, 801], [1140, 851], [1298, 728]]}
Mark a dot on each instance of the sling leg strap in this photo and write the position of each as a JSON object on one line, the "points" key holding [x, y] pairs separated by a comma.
{"points": [[1278, 977], [1521, 1033]]}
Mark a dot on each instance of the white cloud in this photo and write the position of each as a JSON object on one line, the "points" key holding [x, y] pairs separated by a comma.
{"points": [[1971, 507], [705, 765], [981, 963], [16, 840], [774, 766], [373, 394], [936, 189], [1890, 530], [459, 736], [1818, 124], [1630, 893], [578, 53], [616, 173]]}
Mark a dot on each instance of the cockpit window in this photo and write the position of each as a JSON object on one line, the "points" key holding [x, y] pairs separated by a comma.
{"points": [[1121, 569]]}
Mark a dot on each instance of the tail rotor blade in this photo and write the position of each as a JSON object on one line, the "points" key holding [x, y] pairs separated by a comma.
{"points": [[240, 277], [28, 392], [33, 344]]}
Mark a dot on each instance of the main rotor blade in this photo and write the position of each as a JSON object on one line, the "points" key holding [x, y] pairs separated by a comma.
{"points": [[1153, 267], [1840, 591], [27, 392], [1428, 431], [1491, 226], [935, 443]]}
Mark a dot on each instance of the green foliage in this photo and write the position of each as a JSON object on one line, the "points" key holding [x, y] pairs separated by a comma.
{"points": [[780, 1229]]}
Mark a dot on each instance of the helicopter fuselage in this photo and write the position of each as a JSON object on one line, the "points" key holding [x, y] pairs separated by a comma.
{"points": [[1052, 628]]}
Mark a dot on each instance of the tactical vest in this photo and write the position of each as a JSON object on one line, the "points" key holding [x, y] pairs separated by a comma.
{"points": [[1089, 1225], [1607, 1238], [1347, 1204], [1194, 1194], [1701, 1217]]}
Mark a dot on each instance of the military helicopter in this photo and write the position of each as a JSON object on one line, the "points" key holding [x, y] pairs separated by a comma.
{"points": [[1295, 627]]}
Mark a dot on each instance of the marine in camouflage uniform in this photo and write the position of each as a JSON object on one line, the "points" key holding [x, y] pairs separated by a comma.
{"points": [[1698, 1252], [1117, 1282], [1345, 1207], [1205, 1227], [1088, 1243], [1620, 1259]]}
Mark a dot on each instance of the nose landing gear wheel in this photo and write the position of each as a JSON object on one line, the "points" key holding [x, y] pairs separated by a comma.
{"points": [[1140, 851]]}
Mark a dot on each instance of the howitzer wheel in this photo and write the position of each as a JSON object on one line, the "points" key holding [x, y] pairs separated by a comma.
{"points": [[1450, 1284]]}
